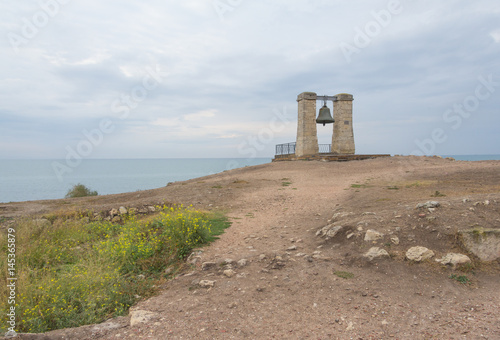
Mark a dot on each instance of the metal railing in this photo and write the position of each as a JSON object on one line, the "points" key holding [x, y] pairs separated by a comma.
{"points": [[285, 149], [289, 149], [325, 148]]}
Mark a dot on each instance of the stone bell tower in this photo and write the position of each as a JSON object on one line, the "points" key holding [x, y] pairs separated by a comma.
{"points": [[307, 137], [307, 134], [343, 135]]}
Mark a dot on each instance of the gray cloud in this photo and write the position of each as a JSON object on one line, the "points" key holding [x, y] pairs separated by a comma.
{"points": [[241, 70]]}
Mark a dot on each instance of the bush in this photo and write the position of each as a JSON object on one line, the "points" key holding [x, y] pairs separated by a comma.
{"points": [[77, 272], [80, 190]]}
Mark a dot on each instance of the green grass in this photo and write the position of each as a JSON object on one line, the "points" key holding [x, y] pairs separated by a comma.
{"points": [[286, 184], [5, 219], [360, 186], [461, 278], [357, 186], [437, 194], [344, 275], [77, 271], [467, 268], [239, 181]]}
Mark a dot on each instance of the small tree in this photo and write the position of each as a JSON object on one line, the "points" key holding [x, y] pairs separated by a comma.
{"points": [[80, 190]]}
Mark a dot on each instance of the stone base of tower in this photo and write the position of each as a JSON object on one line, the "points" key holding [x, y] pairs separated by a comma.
{"points": [[343, 135], [327, 157]]}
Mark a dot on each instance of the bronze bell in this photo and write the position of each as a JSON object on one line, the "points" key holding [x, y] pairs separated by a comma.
{"points": [[325, 117]]}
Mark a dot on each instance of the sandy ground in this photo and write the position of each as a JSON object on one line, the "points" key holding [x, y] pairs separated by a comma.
{"points": [[291, 286]]}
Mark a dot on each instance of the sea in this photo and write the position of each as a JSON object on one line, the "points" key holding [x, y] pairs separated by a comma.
{"points": [[28, 180]]}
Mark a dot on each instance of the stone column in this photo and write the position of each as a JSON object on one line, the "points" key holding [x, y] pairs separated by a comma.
{"points": [[307, 137], [343, 135]]}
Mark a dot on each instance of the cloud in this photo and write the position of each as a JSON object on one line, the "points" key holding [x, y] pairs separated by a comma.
{"points": [[232, 136], [199, 116], [495, 35], [225, 78]]}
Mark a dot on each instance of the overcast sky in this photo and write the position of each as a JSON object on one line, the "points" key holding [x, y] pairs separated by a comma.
{"points": [[203, 78]]}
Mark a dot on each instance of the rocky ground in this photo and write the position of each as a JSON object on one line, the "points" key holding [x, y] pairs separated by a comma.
{"points": [[325, 250]]}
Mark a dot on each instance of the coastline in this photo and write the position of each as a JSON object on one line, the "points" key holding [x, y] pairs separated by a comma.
{"points": [[153, 196], [290, 276]]}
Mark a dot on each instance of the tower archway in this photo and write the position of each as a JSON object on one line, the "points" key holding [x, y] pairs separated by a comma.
{"points": [[307, 134]]}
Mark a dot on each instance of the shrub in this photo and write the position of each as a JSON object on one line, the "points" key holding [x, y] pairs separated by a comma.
{"points": [[461, 278], [80, 190], [77, 272]]}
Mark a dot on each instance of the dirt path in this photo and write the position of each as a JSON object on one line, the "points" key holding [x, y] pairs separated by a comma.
{"points": [[275, 278]]}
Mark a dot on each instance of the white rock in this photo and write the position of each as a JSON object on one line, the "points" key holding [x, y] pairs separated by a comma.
{"points": [[395, 240], [122, 210], [373, 235], [206, 284], [376, 252], [419, 254], [428, 204], [242, 262], [329, 231], [140, 316], [229, 273], [193, 259], [454, 259], [294, 247], [340, 215], [333, 231], [483, 243], [106, 326]]}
